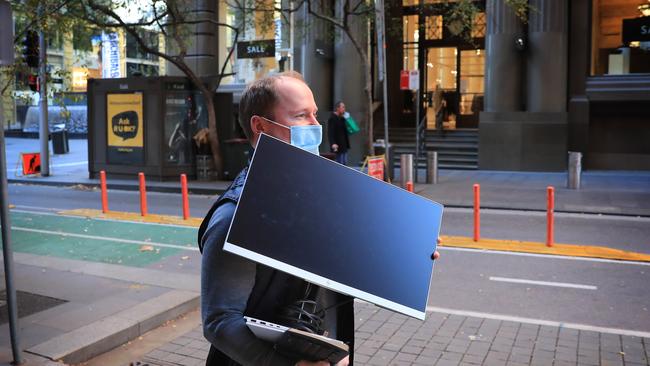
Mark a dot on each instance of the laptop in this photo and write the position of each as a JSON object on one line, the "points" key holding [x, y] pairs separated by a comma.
{"points": [[297, 343], [336, 227]]}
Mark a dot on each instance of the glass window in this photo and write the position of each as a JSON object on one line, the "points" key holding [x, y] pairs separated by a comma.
{"points": [[610, 53], [478, 26], [411, 32], [433, 27], [133, 49], [410, 57], [472, 70], [254, 26]]}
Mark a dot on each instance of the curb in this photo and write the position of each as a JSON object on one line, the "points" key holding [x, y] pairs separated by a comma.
{"points": [[103, 335]]}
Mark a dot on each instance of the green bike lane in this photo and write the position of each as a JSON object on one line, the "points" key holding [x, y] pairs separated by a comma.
{"points": [[98, 240]]}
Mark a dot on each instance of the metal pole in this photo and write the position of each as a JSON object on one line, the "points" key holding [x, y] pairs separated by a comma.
{"points": [[291, 24], [417, 132], [381, 47], [575, 170], [432, 167], [406, 169], [43, 130], [7, 252]]}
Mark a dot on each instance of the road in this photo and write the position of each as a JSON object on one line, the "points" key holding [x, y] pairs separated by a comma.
{"points": [[593, 293]]}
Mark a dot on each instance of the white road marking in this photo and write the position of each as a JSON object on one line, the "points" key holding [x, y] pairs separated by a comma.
{"points": [[124, 241], [543, 283], [551, 323], [546, 256]]}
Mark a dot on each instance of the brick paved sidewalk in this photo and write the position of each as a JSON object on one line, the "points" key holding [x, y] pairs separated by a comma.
{"points": [[387, 338]]}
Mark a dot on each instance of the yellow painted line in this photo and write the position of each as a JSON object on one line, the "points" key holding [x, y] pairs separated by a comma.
{"points": [[571, 250], [133, 216]]}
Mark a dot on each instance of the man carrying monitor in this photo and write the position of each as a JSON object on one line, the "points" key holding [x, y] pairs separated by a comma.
{"points": [[232, 287]]}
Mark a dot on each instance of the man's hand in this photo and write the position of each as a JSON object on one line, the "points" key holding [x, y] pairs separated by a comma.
{"points": [[335, 147], [309, 363], [343, 362], [435, 254]]}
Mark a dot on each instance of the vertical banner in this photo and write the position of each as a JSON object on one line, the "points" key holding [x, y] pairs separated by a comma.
{"points": [[376, 167], [125, 128], [111, 56]]}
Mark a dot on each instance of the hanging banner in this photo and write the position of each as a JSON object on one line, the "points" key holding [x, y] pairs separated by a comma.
{"points": [[125, 128], [376, 167], [111, 56]]}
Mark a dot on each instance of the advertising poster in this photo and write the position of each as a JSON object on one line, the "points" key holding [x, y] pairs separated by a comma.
{"points": [[125, 128]]}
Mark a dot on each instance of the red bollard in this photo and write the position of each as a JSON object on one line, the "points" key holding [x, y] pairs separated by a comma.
{"points": [[409, 186], [186, 202], [102, 183], [550, 207], [477, 212], [143, 195]]}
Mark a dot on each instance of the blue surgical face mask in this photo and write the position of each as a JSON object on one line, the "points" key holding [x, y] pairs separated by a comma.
{"points": [[307, 137]]}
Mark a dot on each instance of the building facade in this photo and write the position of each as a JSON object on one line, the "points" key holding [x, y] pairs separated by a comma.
{"points": [[565, 79]]}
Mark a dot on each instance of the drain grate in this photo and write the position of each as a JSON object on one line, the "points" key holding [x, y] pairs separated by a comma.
{"points": [[28, 304]]}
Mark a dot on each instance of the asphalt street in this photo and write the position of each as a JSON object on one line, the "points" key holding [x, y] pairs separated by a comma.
{"points": [[621, 232], [588, 292]]}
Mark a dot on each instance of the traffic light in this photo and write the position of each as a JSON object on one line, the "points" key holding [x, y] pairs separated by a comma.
{"points": [[34, 85], [31, 49]]}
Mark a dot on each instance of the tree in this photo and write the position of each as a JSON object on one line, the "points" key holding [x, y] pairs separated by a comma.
{"points": [[173, 19], [169, 17]]}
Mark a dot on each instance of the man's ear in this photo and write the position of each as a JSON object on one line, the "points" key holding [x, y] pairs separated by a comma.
{"points": [[257, 125]]}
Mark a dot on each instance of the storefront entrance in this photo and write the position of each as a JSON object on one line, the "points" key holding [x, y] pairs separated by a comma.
{"points": [[453, 87]]}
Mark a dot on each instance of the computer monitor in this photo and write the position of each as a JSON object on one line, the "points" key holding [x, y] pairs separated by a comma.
{"points": [[336, 227]]}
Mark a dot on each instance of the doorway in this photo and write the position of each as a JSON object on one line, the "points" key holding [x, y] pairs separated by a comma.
{"points": [[453, 87]]}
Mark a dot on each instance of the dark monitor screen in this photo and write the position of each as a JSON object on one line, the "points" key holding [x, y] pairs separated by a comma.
{"points": [[336, 227]]}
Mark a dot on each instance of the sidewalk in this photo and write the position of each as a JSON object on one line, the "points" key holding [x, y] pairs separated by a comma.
{"points": [[386, 338], [101, 306], [602, 192]]}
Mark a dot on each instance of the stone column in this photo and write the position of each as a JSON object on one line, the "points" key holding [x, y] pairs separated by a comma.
{"points": [[503, 69], [202, 42], [547, 56]]}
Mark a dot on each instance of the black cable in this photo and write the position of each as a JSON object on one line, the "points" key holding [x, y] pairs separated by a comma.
{"points": [[304, 314]]}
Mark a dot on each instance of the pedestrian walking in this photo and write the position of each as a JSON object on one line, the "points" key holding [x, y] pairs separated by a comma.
{"points": [[338, 133]]}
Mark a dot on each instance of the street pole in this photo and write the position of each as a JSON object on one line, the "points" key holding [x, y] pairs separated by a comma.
{"points": [[7, 58], [43, 130], [381, 53], [291, 24], [7, 252], [417, 133]]}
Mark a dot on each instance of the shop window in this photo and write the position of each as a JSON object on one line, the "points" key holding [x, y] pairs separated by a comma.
{"points": [[620, 37], [433, 27]]}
